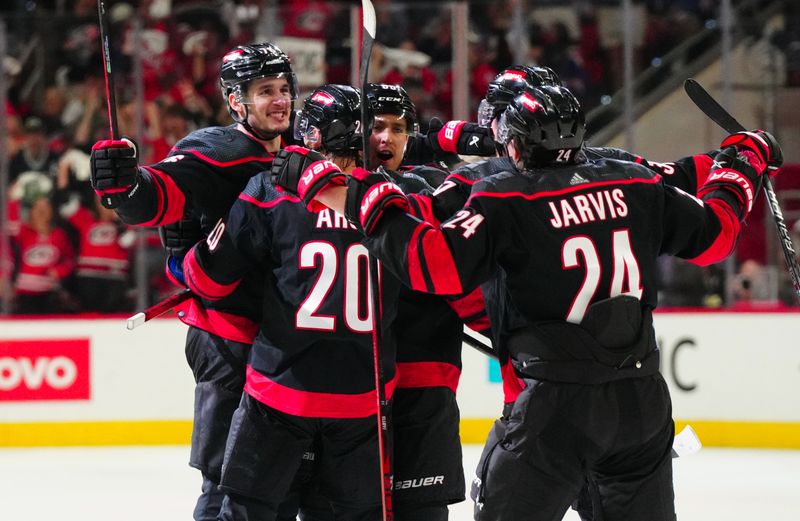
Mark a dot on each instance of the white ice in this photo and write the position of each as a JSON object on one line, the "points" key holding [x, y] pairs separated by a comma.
{"points": [[156, 484]]}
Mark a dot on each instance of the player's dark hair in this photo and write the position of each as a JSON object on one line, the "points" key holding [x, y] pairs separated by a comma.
{"points": [[334, 112], [393, 99], [546, 124]]}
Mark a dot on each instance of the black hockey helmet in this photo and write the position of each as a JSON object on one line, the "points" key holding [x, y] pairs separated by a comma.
{"points": [[393, 99], [544, 122], [331, 116], [509, 84], [245, 63]]}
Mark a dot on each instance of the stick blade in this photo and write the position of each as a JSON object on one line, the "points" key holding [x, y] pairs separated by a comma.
{"points": [[369, 18], [135, 321]]}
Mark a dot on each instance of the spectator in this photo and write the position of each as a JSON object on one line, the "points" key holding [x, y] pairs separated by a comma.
{"points": [[34, 154], [44, 258], [101, 274]]}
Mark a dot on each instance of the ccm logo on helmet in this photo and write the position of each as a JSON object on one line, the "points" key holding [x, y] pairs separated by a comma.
{"points": [[44, 370]]}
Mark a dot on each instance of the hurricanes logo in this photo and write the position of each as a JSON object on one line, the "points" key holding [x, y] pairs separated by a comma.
{"points": [[323, 97], [530, 102]]}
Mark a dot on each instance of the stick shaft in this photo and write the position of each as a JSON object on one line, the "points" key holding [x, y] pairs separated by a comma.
{"points": [[111, 100], [717, 113], [384, 457]]}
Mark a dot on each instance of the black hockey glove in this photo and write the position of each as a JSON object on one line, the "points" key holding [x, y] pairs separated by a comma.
{"points": [[759, 142], [179, 237], [369, 195], [460, 137], [735, 179], [114, 170], [304, 173]]}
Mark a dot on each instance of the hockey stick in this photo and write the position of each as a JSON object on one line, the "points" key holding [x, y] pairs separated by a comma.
{"points": [[384, 457], [157, 309], [111, 100], [711, 108]]}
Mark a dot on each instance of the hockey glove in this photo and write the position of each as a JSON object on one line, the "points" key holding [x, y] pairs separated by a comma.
{"points": [[761, 144], [460, 137], [305, 173], [179, 237], [734, 179], [369, 195], [114, 170]]}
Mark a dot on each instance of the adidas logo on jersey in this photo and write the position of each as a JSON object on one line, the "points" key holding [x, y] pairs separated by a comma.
{"points": [[577, 179]]}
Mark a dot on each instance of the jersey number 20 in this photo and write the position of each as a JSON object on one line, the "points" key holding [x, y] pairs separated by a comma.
{"points": [[324, 257]]}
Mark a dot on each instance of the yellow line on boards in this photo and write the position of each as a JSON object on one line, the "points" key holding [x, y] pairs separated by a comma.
{"points": [[766, 435]]}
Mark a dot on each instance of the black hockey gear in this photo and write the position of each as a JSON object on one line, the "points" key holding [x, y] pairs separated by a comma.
{"points": [[178, 237], [331, 118], [460, 137], [546, 124], [393, 99], [761, 143], [304, 172], [114, 170], [369, 194], [250, 62], [733, 173], [508, 85]]}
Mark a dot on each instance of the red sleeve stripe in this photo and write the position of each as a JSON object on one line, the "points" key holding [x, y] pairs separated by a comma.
{"points": [[445, 277], [237, 161], [461, 179], [268, 204], [470, 305], [422, 207], [171, 199], [416, 274], [726, 240], [577, 188], [200, 283], [702, 168]]}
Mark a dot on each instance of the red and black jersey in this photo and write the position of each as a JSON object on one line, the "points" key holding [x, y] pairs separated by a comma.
{"points": [[559, 239], [686, 173], [103, 253], [312, 355], [429, 328], [199, 180], [44, 260]]}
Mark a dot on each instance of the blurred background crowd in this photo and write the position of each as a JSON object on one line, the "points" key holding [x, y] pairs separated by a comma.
{"points": [[66, 254]]}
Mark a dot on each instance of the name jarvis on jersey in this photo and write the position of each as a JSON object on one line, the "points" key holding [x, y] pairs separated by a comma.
{"points": [[585, 208]]}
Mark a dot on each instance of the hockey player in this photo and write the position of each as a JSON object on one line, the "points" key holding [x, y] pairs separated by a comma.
{"points": [[186, 194], [310, 381], [428, 472], [575, 241]]}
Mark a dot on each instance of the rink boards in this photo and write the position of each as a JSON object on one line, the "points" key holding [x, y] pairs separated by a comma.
{"points": [[735, 377]]}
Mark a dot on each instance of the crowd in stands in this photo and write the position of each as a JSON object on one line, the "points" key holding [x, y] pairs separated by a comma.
{"points": [[71, 255]]}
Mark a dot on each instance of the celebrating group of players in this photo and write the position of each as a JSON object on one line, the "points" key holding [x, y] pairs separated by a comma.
{"points": [[548, 246]]}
